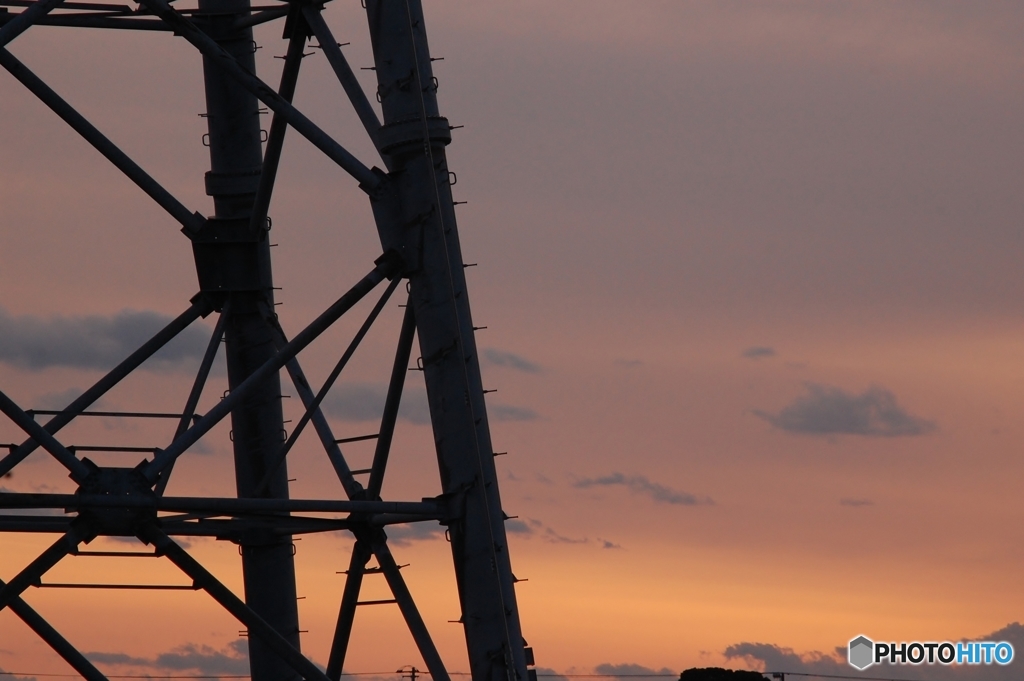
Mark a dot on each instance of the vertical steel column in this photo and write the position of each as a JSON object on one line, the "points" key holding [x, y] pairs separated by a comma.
{"points": [[414, 136], [244, 274]]}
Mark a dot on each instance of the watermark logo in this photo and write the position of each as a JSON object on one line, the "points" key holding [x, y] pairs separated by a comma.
{"points": [[862, 652]]}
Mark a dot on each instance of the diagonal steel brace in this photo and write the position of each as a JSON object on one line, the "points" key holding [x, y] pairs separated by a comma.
{"points": [[368, 179], [53, 638], [190, 221], [199, 308], [35, 570], [164, 458], [23, 21], [243, 613]]}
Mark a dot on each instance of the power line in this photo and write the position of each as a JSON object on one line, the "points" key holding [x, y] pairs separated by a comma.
{"points": [[199, 676], [246, 676], [777, 675], [783, 675], [167, 676]]}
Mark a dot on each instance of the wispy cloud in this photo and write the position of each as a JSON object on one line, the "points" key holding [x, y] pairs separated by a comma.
{"points": [[543, 479], [628, 670], [549, 674], [365, 402], [640, 484], [856, 503], [232, 659], [357, 402], [509, 412], [534, 528], [516, 526], [404, 535], [759, 352], [62, 398], [772, 658], [1013, 632], [510, 360], [550, 535], [93, 341], [827, 410]]}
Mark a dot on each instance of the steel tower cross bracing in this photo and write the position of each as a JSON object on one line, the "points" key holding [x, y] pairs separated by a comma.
{"points": [[415, 219]]}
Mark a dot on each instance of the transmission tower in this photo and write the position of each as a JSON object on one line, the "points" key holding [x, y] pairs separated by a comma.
{"points": [[415, 219]]}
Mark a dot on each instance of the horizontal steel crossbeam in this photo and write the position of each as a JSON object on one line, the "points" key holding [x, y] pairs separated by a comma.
{"points": [[95, 20], [220, 505], [208, 524]]}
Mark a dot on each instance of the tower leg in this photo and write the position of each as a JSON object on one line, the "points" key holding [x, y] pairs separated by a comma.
{"points": [[414, 136], [241, 269]]}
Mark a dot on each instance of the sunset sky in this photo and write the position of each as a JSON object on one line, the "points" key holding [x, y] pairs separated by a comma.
{"points": [[751, 277]]}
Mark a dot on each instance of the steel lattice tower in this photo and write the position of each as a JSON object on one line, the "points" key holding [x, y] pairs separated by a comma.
{"points": [[415, 219]]}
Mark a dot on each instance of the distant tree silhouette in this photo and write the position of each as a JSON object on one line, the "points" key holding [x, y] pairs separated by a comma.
{"points": [[719, 674]]}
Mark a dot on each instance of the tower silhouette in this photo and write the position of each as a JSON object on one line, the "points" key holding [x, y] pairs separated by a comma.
{"points": [[415, 219]]}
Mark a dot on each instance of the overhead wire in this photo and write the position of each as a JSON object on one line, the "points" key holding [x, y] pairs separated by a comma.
{"points": [[837, 676], [775, 674], [388, 673]]}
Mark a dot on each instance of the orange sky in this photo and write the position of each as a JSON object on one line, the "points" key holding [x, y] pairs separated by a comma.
{"points": [[708, 234]]}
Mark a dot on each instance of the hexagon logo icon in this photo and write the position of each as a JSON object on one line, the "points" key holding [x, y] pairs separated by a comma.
{"points": [[861, 652]]}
